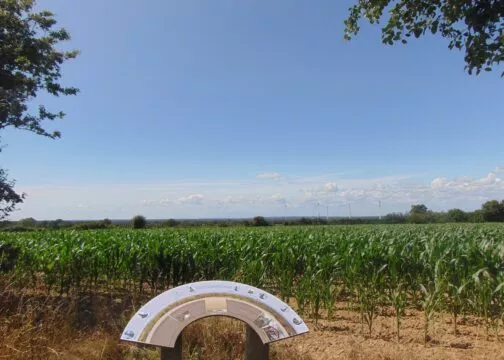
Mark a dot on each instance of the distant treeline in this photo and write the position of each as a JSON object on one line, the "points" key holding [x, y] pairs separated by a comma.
{"points": [[491, 211]]}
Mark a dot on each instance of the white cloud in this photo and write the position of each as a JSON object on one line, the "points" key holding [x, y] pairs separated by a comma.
{"points": [[490, 179], [354, 194], [269, 176], [320, 190], [499, 170], [308, 194], [331, 187], [439, 183], [157, 203], [250, 197], [232, 200], [195, 199], [466, 184]]}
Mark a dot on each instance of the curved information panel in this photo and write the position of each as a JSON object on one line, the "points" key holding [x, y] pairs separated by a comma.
{"points": [[162, 319]]}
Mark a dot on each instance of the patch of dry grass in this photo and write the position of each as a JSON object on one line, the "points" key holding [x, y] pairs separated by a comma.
{"points": [[34, 325], [37, 326], [224, 339]]}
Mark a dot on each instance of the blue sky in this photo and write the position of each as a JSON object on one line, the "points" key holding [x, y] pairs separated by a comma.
{"points": [[238, 108]]}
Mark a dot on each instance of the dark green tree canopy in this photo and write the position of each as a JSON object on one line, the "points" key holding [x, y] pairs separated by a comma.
{"points": [[259, 221], [171, 223], [30, 64], [493, 210], [475, 26], [418, 209], [139, 222], [8, 197], [457, 215]]}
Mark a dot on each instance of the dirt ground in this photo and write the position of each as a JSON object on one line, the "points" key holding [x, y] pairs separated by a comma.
{"points": [[45, 327], [344, 338]]}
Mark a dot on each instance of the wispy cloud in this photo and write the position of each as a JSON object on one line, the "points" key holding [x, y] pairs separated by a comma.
{"points": [[247, 197], [157, 203], [232, 200], [331, 187], [195, 199], [269, 176]]}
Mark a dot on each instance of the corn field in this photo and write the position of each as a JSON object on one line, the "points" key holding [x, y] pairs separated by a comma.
{"points": [[455, 269]]}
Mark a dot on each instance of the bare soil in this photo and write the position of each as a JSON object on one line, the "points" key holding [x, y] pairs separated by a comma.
{"points": [[38, 326], [345, 338]]}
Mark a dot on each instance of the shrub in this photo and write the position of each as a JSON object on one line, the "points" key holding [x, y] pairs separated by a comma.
{"points": [[92, 225], [171, 223]]}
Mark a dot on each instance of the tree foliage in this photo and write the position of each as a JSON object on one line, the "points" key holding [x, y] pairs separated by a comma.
{"points": [[395, 218], [139, 222], [28, 222], [8, 197], [171, 223], [493, 211], [259, 221], [475, 26], [418, 209], [30, 64], [457, 215]]}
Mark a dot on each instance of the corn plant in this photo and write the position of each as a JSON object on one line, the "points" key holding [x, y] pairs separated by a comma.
{"points": [[454, 268]]}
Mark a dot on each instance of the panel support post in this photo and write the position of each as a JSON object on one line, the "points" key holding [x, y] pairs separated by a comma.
{"points": [[254, 347], [173, 353]]}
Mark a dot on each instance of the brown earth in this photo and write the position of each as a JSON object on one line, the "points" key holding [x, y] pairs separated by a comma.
{"points": [[344, 338], [38, 326]]}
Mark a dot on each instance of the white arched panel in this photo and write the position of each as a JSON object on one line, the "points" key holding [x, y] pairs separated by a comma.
{"points": [[162, 319]]}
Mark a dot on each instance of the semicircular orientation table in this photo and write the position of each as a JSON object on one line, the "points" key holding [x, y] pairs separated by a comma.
{"points": [[162, 319]]}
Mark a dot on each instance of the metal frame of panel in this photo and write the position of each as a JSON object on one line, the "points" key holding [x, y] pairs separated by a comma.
{"points": [[162, 319]]}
